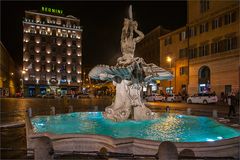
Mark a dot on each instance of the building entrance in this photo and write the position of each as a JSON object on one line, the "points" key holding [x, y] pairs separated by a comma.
{"points": [[31, 91], [204, 80]]}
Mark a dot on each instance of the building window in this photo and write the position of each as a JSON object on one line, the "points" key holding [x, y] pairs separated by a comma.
{"points": [[168, 41], [192, 31], [182, 36], [203, 50], [43, 48], [63, 68], [54, 58], [224, 45], [74, 79], [64, 41], [53, 49], [44, 39], [53, 67], [74, 35], [32, 57], [64, 50], [32, 77], [74, 68], [74, 43], [54, 20], [32, 38], [31, 49], [64, 59], [43, 76], [214, 47], [204, 5], [74, 51], [74, 60], [183, 53], [193, 53], [53, 40], [230, 18], [183, 70], [32, 29], [43, 67], [63, 23], [216, 23], [43, 19], [64, 79], [230, 43], [54, 32], [43, 58], [203, 27], [43, 32], [64, 34]]}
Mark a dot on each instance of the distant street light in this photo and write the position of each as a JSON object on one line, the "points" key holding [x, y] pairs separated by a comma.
{"points": [[169, 59], [23, 72]]}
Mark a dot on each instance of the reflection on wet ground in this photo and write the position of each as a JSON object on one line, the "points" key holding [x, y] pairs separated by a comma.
{"points": [[13, 138], [13, 110]]}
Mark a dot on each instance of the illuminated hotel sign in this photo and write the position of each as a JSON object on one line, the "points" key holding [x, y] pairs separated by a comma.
{"points": [[52, 10]]}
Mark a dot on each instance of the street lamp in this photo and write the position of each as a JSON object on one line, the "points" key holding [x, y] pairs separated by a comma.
{"points": [[23, 72], [169, 59]]}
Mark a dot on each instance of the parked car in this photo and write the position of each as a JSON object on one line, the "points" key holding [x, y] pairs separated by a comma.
{"points": [[202, 98], [173, 98], [18, 94], [155, 97], [83, 96], [39, 96]]}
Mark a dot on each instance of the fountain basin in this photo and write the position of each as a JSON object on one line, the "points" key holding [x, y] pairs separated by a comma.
{"points": [[90, 131], [168, 127]]}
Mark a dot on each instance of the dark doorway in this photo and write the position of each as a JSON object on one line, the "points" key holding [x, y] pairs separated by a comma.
{"points": [[204, 80]]}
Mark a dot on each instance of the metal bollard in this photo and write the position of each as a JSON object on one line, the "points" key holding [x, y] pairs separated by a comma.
{"points": [[29, 112], [167, 151], [43, 148], [70, 109], [214, 113], [52, 110], [189, 111]]}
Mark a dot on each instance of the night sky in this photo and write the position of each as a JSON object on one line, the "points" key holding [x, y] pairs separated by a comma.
{"points": [[101, 21]]}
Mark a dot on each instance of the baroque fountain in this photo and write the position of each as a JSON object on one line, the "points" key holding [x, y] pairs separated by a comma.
{"points": [[129, 76], [127, 125]]}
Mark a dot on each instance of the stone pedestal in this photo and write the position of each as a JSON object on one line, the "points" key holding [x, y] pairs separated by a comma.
{"points": [[128, 103]]}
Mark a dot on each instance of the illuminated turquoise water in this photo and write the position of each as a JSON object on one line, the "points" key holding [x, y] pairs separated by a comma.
{"points": [[169, 127]]}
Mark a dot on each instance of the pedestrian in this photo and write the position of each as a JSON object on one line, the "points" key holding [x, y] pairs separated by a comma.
{"points": [[222, 97], [214, 93], [231, 103], [237, 98], [167, 109]]}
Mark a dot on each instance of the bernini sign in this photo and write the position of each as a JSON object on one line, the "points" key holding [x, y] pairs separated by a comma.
{"points": [[51, 10]]}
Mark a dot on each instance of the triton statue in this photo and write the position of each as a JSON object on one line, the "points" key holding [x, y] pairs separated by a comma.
{"points": [[129, 76]]}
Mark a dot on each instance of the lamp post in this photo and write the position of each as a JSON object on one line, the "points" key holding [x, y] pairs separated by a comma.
{"points": [[169, 60], [22, 79]]}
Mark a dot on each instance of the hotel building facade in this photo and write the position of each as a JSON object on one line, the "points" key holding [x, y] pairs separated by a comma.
{"points": [[52, 53], [204, 54]]}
